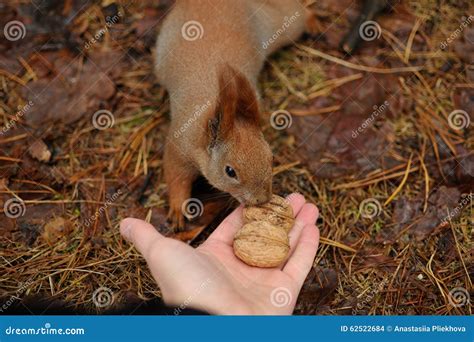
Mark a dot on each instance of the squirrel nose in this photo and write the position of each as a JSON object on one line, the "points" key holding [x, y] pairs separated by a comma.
{"points": [[263, 198]]}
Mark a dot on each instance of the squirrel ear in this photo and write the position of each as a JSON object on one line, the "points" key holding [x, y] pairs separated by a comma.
{"points": [[226, 104], [213, 129], [247, 103], [237, 101]]}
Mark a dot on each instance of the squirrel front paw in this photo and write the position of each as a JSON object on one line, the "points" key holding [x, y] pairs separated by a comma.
{"points": [[313, 27], [176, 218]]}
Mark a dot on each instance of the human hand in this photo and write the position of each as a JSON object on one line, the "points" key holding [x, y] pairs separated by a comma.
{"points": [[211, 278]]}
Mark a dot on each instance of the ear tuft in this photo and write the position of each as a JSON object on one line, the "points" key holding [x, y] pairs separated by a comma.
{"points": [[237, 101], [213, 129], [247, 104], [228, 99]]}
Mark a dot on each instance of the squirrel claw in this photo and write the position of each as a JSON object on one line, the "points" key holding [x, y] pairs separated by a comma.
{"points": [[176, 219]]}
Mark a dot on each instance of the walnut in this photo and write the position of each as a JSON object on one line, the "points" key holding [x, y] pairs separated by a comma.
{"points": [[277, 212], [263, 239]]}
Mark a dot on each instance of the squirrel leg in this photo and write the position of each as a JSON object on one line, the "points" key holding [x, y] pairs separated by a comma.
{"points": [[312, 25], [179, 177]]}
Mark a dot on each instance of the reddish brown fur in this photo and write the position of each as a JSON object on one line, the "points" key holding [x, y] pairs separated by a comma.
{"points": [[237, 100], [220, 69]]}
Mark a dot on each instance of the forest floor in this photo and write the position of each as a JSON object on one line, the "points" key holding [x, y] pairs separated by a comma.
{"points": [[381, 141]]}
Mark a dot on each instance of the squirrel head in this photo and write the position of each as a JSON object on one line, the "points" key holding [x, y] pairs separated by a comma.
{"points": [[240, 158]]}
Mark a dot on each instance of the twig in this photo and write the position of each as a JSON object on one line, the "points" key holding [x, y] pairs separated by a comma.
{"points": [[350, 65], [402, 183]]}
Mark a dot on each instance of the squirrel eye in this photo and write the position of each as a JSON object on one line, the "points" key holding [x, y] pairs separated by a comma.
{"points": [[230, 172]]}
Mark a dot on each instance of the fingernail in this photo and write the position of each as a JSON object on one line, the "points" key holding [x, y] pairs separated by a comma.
{"points": [[293, 196], [127, 232]]}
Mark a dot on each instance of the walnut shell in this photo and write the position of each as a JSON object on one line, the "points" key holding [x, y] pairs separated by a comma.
{"points": [[261, 244], [278, 212]]}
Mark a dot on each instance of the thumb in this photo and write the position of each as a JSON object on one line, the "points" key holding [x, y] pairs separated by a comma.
{"points": [[168, 259], [142, 234]]}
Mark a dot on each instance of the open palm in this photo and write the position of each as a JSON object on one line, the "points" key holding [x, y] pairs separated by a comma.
{"points": [[212, 279]]}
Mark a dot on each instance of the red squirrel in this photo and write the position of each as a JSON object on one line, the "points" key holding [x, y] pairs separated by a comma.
{"points": [[208, 56]]}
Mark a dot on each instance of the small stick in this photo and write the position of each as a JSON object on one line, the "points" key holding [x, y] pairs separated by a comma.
{"points": [[370, 10], [317, 53], [402, 183]]}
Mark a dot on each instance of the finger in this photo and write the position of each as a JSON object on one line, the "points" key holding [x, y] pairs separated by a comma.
{"points": [[165, 257], [297, 201], [300, 262], [228, 228], [307, 215], [142, 234]]}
